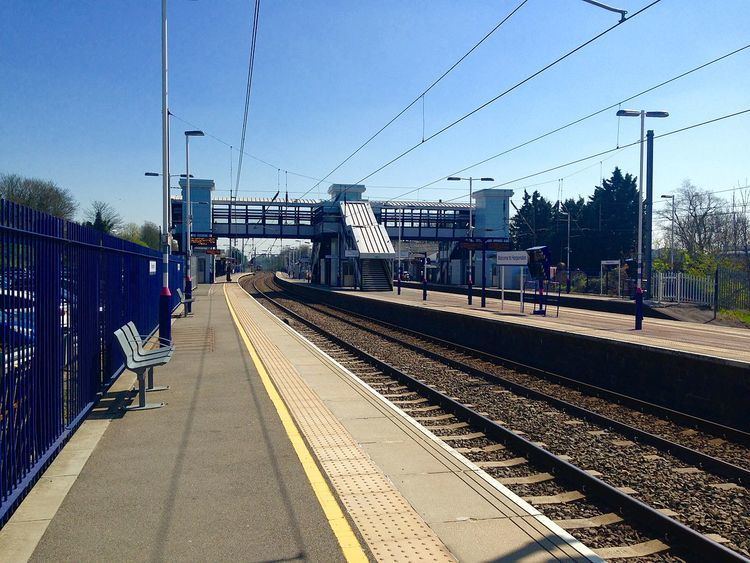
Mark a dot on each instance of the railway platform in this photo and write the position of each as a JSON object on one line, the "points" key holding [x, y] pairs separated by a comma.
{"points": [[267, 449], [721, 342]]}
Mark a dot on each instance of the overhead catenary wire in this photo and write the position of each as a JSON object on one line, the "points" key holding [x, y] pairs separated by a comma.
{"points": [[607, 151], [667, 134], [413, 189], [585, 117], [509, 90], [249, 155], [250, 68], [420, 97]]}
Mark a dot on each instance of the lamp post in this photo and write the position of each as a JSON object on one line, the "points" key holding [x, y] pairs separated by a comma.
{"points": [[639, 275], [165, 297], [400, 230], [471, 224], [567, 262], [188, 225], [671, 235]]}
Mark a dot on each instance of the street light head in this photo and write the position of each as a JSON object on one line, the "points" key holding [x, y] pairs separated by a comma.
{"points": [[668, 196], [152, 174], [184, 176], [657, 114], [453, 178], [195, 133], [487, 179], [628, 113]]}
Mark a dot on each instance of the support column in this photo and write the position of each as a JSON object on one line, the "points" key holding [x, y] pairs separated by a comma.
{"points": [[649, 204]]}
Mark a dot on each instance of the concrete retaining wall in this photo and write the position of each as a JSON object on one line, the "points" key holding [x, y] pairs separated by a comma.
{"points": [[710, 388]]}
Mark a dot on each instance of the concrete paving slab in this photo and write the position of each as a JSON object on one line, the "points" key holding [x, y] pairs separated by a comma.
{"points": [[44, 500], [398, 458], [373, 430], [20, 539], [471, 504], [497, 540], [333, 389], [344, 409], [68, 462]]}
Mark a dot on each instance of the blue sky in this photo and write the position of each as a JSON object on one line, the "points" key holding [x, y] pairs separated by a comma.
{"points": [[80, 102]]}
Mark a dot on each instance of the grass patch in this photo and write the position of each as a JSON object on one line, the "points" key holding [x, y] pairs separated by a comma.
{"points": [[736, 315]]}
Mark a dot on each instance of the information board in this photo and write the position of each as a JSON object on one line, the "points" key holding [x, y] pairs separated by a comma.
{"points": [[203, 241]]}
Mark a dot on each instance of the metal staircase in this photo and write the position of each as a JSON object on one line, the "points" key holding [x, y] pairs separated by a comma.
{"points": [[376, 275], [363, 234]]}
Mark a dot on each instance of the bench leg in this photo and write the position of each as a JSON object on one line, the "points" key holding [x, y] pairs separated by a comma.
{"points": [[150, 386], [142, 404]]}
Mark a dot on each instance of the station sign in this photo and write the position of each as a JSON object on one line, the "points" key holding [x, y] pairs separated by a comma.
{"points": [[214, 251], [351, 253], [513, 258]]}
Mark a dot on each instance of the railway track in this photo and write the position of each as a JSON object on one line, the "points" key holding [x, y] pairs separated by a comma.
{"points": [[505, 427], [715, 448]]}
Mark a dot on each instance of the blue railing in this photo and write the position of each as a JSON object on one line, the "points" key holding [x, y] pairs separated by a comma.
{"points": [[64, 290]]}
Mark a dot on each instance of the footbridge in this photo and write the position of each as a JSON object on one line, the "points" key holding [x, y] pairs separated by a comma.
{"points": [[353, 237]]}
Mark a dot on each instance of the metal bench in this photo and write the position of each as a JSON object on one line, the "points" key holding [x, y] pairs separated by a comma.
{"points": [[163, 351], [140, 363], [184, 301]]}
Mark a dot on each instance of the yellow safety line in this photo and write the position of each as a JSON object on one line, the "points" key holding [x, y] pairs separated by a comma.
{"points": [[350, 545]]}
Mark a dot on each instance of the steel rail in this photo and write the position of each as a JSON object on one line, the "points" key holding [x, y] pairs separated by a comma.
{"points": [[678, 417], [677, 534]]}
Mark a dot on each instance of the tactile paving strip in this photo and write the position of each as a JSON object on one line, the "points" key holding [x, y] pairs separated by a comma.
{"points": [[389, 525]]}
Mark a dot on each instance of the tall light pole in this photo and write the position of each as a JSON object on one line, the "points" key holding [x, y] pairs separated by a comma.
{"points": [[567, 263], [188, 224], [639, 276], [471, 224], [671, 235], [165, 298], [400, 231]]}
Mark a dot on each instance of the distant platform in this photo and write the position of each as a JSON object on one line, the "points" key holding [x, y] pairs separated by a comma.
{"points": [[695, 338]]}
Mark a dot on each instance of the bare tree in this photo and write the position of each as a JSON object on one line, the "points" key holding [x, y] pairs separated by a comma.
{"points": [[741, 228], [42, 195], [103, 217], [701, 225]]}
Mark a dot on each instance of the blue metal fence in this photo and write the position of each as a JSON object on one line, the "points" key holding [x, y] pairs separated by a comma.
{"points": [[64, 290]]}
